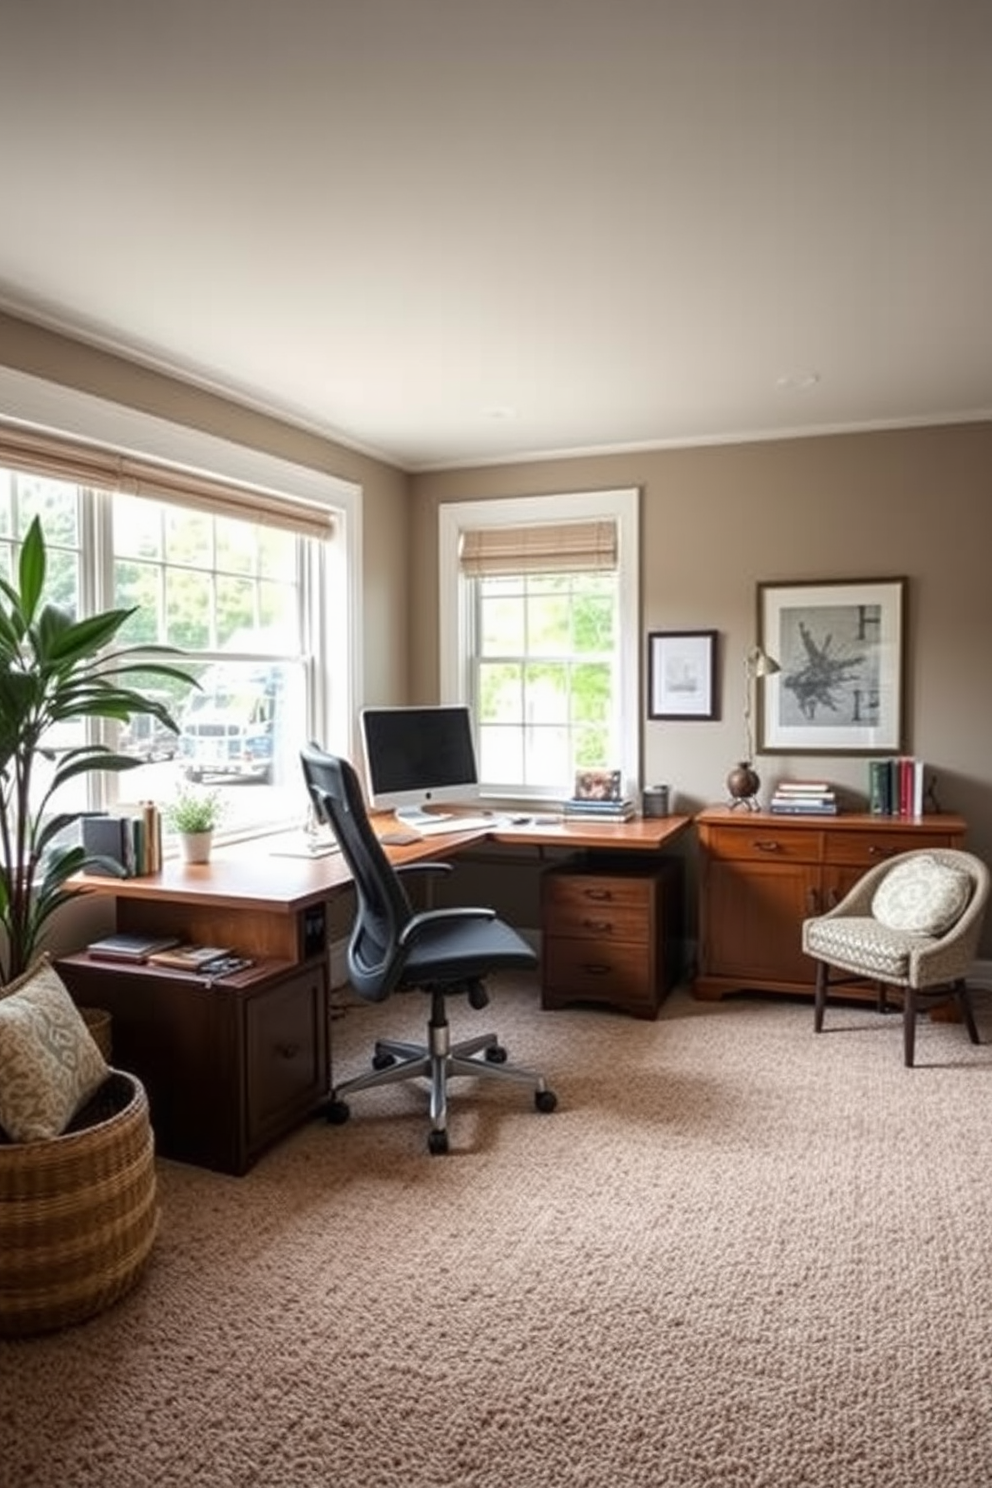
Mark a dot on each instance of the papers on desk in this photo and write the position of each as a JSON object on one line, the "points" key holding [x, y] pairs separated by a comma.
{"points": [[324, 847]]}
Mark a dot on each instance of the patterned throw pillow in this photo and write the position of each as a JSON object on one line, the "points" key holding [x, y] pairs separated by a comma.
{"points": [[49, 1062], [923, 895]]}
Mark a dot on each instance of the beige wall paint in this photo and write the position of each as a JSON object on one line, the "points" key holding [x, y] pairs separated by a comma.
{"points": [[385, 506], [718, 520], [715, 521]]}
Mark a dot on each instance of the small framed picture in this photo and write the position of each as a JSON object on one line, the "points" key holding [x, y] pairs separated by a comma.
{"points": [[841, 653], [682, 674]]}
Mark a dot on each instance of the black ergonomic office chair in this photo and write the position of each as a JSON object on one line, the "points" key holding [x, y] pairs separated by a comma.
{"points": [[393, 948]]}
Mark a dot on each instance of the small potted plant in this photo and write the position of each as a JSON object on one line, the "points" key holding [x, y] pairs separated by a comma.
{"points": [[193, 816]]}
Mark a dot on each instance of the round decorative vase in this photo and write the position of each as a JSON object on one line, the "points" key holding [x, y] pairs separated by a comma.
{"points": [[195, 846], [742, 785]]}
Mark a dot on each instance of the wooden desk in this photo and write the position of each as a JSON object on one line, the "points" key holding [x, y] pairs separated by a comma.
{"points": [[231, 1066]]}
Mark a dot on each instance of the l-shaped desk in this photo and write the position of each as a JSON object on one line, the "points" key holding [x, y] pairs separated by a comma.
{"points": [[232, 1065]]}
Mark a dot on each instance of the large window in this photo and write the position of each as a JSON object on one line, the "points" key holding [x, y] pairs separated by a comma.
{"points": [[242, 586], [538, 620]]}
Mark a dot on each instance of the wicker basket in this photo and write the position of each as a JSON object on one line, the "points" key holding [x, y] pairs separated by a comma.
{"points": [[78, 1214]]}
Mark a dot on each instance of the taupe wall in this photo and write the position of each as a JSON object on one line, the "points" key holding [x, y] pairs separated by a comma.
{"points": [[716, 521], [385, 503]]}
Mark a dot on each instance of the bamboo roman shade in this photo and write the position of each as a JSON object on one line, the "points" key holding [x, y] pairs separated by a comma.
{"points": [[558, 547], [108, 470]]}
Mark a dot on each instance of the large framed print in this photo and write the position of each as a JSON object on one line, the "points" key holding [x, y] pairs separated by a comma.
{"points": [[682, 674], [841, 650]]}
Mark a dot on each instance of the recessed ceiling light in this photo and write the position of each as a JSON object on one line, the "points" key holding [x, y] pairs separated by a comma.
{"points": [[797, 381]]}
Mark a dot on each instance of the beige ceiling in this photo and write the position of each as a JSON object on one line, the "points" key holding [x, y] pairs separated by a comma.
{"points": [[451, 232]]}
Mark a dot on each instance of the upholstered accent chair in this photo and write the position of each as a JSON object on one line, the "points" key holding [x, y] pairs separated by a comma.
{"points": [[911, 923]]}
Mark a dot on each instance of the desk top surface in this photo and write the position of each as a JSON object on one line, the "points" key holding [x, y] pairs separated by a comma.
{"points": [[275, 874]]}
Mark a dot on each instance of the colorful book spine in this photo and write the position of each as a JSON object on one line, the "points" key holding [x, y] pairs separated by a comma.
{"points": [[896, 786]]}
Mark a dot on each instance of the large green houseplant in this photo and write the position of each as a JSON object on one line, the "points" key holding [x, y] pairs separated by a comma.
{"points": [[54, 669]]}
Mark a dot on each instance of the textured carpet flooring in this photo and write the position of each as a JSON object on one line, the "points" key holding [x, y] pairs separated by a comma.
{"points": [[738, 1256]]}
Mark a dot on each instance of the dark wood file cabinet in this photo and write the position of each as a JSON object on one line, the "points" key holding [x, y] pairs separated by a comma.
{"points": [[611, 934]]}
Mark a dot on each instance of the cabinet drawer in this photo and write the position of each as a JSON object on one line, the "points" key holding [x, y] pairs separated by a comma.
{"points": [[285, 1053], [617, 973], [761, 843], [581, 893], [599, 920], [862, 849]]}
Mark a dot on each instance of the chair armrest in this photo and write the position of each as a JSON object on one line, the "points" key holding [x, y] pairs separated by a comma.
{"points": [[427, 917], [950, 955], [426, 865]]}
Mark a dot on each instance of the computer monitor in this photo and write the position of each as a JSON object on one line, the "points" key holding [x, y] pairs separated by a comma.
{"points": [[416, 757]]}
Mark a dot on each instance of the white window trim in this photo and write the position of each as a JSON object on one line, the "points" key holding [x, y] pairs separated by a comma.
{"points": [[65, 411], [454, 620]]}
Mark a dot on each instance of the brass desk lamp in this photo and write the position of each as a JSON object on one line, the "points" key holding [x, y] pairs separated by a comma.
{"points": [[743, 781]]}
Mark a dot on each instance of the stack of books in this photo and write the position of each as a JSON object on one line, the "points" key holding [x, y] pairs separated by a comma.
{"points": [[597, 797], [133, 947], [578, 808], [804, 798]]}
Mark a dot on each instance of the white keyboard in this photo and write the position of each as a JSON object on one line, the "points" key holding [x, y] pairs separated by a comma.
{"points": [[445, 824]]}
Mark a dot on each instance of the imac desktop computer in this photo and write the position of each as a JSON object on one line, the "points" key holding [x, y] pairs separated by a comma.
{"points": [[416, 758]]}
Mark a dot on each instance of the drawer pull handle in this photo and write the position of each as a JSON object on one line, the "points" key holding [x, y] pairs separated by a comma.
{"points": [[602, 927], [596, 968], [874, 851], [287, 1051], [767, 846], [597, 894], [812, 901]]}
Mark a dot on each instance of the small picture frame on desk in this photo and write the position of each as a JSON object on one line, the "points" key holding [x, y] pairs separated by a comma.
{"points": [[682, 674]]}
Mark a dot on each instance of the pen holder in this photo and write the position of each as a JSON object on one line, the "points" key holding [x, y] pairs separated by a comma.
{"points": [[655, 800]]}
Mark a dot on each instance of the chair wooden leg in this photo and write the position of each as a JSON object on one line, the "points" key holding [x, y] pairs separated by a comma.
{"points": [[909, 1026], [967, 1012], [820, 1000]]}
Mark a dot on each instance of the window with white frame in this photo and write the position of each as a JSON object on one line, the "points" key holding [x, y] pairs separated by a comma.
{"points": [[538, 621], [236, 578]]}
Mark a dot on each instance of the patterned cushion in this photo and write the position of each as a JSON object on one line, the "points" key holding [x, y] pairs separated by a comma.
{"points": [[922, 895], [859, 943], [49, 1062]]}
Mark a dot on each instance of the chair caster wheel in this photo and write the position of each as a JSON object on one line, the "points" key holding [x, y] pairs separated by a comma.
{"points": [[496, 1054], [337, 1112], [383, 1061], [437, 1143], [545, 1100]]}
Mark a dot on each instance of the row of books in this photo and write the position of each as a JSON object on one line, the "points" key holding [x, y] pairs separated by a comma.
{"points": [[168, 951], [133, 843], [897, 786], [804, 798]]}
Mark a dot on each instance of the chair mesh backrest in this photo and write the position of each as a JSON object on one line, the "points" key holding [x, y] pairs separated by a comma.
{"points": [[374, 957]]}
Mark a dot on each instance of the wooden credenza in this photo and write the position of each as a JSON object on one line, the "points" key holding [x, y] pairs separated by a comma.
{"points": [[761, 875]]}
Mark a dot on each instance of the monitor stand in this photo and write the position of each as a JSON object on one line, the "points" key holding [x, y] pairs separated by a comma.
{"points": [[410, 816]]}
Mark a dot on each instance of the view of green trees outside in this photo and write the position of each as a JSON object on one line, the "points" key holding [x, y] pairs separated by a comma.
{"points": [[546, 679]]}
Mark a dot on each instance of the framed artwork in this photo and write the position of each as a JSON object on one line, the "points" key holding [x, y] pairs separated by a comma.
{"points": [[841, 652], [682, 674]]}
